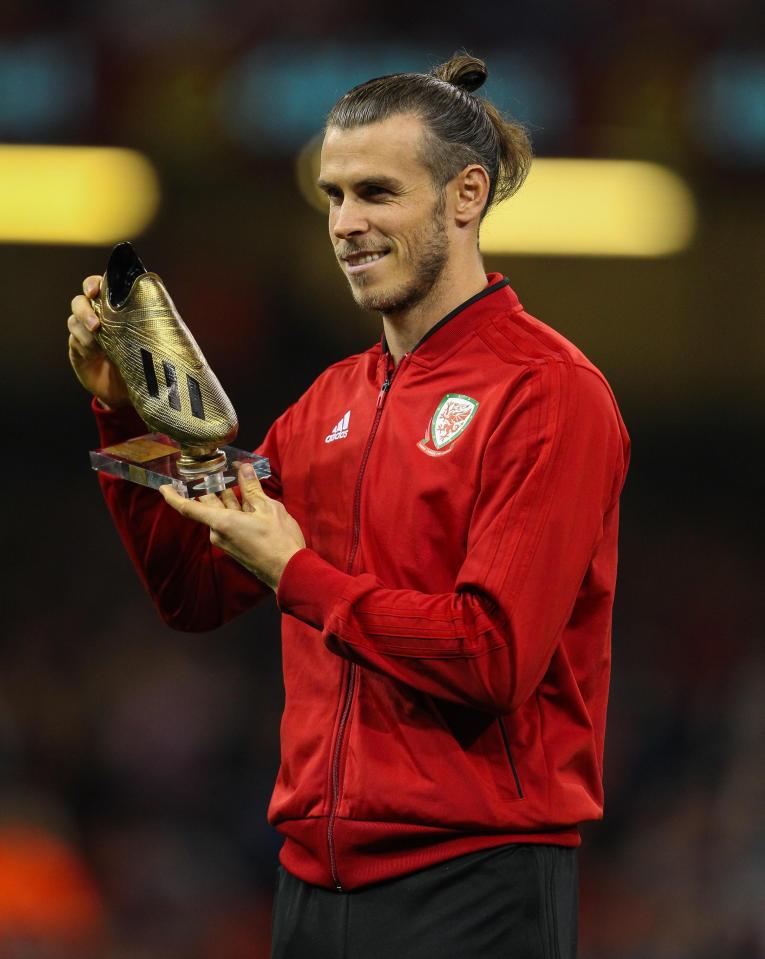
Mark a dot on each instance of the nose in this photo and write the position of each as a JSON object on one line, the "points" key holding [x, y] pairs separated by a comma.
{"points": [[347, 220]]}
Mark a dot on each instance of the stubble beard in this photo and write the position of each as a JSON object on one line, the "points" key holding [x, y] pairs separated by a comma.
{"points": [[433, 253]]}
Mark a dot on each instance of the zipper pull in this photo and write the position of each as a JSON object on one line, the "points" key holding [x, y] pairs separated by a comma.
{"points": [[383, 390]]}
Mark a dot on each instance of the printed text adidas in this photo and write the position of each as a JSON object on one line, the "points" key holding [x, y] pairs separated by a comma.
{"points": [[340, 431]]}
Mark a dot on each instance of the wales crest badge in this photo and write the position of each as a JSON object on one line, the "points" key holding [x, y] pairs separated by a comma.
{"points": [[451, 419]]}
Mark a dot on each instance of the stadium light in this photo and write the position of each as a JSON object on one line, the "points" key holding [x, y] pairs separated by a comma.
{"points": [[594, 208], [79, 195]]}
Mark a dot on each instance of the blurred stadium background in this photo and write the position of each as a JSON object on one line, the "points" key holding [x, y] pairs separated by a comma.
{"points": [[136, 763]]}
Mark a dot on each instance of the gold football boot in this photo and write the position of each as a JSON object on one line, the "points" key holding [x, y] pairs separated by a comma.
{"points": [[169, 381]]}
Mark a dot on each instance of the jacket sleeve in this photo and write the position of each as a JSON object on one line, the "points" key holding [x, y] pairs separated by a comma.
{"points": [[537, 519], [194, 585]]}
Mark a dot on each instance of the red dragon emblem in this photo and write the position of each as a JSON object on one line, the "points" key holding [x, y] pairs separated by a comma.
{"points": [[450, 420]]}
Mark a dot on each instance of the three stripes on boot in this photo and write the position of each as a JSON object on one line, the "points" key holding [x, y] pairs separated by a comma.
{"points": [[171, 379]]}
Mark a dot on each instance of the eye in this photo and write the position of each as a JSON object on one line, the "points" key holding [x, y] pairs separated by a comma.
{"points": [[373, 190], [334, 196]]}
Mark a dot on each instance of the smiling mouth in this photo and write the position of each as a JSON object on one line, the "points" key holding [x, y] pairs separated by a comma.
{"points": [[365, 260]]}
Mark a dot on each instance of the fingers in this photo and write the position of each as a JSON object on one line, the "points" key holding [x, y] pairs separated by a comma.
{"points": [[81, 340], [252, 491], [91, 286], [200, 512], [229, 500], [83, 320], [82, 310], [81, 323], [210, 499], [82, 344], [173, 498]]}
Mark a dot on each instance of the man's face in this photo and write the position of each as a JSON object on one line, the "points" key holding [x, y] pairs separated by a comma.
{"points": [[386, 219]]}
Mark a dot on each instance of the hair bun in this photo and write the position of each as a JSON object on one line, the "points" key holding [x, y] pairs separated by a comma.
{"points": [[463, 71]]}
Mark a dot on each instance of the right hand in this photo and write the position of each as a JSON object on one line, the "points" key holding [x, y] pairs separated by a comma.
{"points": [[92, 367]]}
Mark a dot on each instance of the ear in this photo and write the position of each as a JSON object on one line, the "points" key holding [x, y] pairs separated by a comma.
{"points": [[472, 193]]}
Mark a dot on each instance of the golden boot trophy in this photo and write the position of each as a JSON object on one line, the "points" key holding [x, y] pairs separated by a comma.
{"points": [[171, 386]]}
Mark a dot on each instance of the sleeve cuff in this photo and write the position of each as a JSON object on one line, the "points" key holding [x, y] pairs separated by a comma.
{"points": [[114, 426], [310, 587]]}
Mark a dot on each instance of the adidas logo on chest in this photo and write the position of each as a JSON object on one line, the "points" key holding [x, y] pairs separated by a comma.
{"points": [[340, 430]]}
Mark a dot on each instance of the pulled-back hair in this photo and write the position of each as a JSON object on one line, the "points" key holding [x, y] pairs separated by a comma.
{"points": [[461, 128]]}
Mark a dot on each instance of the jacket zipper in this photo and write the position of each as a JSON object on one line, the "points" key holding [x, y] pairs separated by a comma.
{"points": [[510, 756], [348, 698]]}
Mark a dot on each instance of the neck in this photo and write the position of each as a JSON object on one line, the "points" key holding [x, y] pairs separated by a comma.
{"points": [[404, 330]]}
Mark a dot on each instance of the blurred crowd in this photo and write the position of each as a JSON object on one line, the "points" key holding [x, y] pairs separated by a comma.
{"points": [[136, 763]]}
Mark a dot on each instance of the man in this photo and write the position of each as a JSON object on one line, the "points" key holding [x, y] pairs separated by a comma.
{"points": [[440, 530]]}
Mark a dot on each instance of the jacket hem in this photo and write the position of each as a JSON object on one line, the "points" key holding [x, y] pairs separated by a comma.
{"points": [[369, 852]]}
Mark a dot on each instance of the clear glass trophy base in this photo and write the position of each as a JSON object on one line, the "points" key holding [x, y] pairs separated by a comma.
{"points": [[152, 460]]}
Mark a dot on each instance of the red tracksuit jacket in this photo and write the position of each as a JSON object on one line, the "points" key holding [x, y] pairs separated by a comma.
{"points": [[446, 630]]}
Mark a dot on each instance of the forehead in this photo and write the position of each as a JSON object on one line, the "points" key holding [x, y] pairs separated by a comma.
{"points": [[391, 147]]}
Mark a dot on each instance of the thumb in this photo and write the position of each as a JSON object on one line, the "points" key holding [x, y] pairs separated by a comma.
{"points": [[249, 484]]}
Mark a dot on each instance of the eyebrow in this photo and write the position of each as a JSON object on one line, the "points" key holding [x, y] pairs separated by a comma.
{"points": [[387, 182]]}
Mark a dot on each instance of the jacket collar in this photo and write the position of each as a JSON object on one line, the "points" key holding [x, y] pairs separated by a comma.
{"points": [[456, 325]]}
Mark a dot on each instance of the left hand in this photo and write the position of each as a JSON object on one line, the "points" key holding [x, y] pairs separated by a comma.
{"points": [[260, 533]]}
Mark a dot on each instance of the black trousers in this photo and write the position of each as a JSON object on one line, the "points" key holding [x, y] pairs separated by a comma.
{"points": [[511, 902]]}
